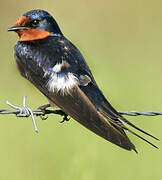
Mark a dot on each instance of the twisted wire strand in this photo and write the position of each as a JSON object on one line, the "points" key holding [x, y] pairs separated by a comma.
{"points": [[137, 113], [39, 112], [25, 111]]}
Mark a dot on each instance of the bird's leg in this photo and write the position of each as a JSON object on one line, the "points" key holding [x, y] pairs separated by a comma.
{"points": [[43, 109], [59, 112]]}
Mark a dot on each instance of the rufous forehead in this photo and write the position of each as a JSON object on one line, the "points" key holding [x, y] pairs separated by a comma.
{"points": [[22, 20]]}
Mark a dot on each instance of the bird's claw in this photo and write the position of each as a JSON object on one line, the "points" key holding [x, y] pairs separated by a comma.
{"points": [[65, 118], [43, 109], [43, 117]]}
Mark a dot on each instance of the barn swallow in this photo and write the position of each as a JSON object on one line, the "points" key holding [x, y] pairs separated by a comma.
{"points": [[57, 68]]}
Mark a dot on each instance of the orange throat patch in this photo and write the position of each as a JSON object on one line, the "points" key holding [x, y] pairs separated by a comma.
{"points": [[32, 34]]}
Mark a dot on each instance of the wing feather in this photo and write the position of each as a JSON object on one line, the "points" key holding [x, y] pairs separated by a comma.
{"points": [[79, 107]]}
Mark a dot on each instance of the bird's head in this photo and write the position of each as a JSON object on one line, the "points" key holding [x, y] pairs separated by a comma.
{"points": [[35, 25]]}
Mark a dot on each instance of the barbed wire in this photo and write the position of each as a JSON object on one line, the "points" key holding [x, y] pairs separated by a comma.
{"points": [[137, 113], [25, 111]]}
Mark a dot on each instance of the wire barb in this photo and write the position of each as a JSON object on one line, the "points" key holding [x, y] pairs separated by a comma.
{"points": [[25, 111]]}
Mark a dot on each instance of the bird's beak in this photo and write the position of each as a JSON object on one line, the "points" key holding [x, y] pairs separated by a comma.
{"points": [[16, 28]]}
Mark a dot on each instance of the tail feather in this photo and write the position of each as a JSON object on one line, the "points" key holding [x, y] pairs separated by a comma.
{"points": [[129, 123], [116, 121], [141, 138]]}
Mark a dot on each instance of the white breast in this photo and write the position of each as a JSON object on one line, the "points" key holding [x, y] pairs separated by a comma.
{"points": [[60, 81]]}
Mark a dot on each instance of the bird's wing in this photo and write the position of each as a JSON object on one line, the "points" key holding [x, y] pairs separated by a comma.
{"points": [[104, 107], [94, 94], [78, 106]]}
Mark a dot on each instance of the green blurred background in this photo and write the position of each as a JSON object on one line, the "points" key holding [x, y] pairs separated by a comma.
{"points": [[121, 41]]}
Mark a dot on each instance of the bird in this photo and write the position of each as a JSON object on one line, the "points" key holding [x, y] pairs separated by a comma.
{"points": [[56, 67]]}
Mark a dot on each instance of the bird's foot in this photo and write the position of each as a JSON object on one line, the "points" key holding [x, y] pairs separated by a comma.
{"points": [[65, 118], [43, 109], [59, 112]]}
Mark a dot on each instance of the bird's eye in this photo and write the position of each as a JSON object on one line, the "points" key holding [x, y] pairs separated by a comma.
{"points": [[35, 22]]}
